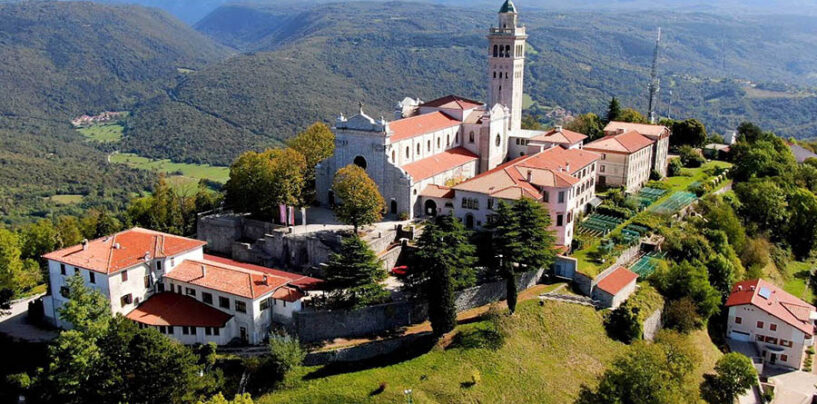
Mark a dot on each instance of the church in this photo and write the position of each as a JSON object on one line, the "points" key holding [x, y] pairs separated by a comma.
{"points": [[454, 155]]}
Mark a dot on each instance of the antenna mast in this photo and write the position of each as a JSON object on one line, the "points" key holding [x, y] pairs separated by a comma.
{"points": [[655, 82]]}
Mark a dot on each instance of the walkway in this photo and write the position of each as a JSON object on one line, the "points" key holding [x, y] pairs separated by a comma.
{"points": [[792, 387], [15, 323]]}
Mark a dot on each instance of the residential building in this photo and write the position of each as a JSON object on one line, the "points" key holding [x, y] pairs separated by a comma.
{"points": [[626, 160], [659, 134], [615, 288], [562, 179], [780, 325], [167, 282]]}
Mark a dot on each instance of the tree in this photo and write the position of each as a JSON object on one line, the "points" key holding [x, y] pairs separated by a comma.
{"points": [[68, 231], [763, 204], [750, 133], [691, 157], [354, 274], [688, 280], [88, 311], [734, 374], [444, 262], [521, 236], [674, 168], [38, 238], [589, 124], [163, 370], [16, 274], [631, 115], [361, 202], [682, 315], [613, 110], [285, 354], [260, 182], [316, 143], [622, 324], [690, 132], [721, 275], [531, 122], [163, 211], [802, 223]]}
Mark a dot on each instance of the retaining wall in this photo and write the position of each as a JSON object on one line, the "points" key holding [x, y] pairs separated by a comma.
{"points": [[652, 325], [368, 350]]}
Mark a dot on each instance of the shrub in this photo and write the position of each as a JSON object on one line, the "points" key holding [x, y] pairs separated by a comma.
{"points": [[655, 175], [607, 209], [674, 168], [622, 324], [658, 185], [285, 354], [691, 158], [403, 216], [649, 220], [682, 316]]}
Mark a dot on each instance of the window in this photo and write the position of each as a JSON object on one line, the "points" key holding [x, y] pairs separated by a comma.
{"points": [[498, 140], [438, 143], [773, 327], [471, 137], [408, 152], [494, 74], [785, 343], [170, 329], [784, 358], [76, 271], [64, 291], [240, 306], [179, 289], [601, 169], [126, 300], [62, 269], [559, 220], [208, 331], [185, 330], [224, 302], [738, 320], [158, 265], [393, 156], [470, 203], [771, 340], [285, 303], [190, 292], [161, 287], [561, 196], [216, 331], [760, 338], [124, 276], [91, 277], [162, 329], [207, 297], [264, 304], [428, 145], [418, 148], [546, 196], [759, 324], [604, 156], [173, 261], [496, 53], [569, 217], [147, 281], [448, 140]]}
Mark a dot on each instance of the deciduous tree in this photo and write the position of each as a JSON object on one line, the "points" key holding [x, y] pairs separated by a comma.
{"points": [[734, 374], [316, 143], [631, 115], [690, 132], [588, 124], [622, 324], [361, 202], [260, 182]]}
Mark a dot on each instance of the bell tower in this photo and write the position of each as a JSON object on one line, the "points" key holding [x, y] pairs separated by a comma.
{"points": [[506, 64]]}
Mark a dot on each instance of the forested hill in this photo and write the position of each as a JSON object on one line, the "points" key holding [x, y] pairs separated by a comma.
{"points": [[315, 62], [67, 58]]}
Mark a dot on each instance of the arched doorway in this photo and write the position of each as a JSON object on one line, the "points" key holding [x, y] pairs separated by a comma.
{"points": [[360, 161], [393, 208], [469, 221], [331, 198], [431, 208]]}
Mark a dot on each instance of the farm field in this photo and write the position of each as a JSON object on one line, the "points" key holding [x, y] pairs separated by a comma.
{"points": [[552, 349], [63, 200], [110, 133], [798, 283], [195, 171]]}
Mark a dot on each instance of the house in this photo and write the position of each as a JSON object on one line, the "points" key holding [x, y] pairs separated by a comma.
{"points": [[659, 134], [562, 179], [780, 325], [167, 282], [440, 142], [615, 288], [626, 160]]}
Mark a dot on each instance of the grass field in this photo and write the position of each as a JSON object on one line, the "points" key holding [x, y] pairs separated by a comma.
{"points": [[551, 351], [196, 171], [797, 285], [111, 133], [63, 200]]}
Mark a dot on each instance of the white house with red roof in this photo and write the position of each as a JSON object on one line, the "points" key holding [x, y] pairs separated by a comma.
{"points": [[780, 325], [167, 282], [615, 287], [659, 134], [444, 141], [626, 160], [562, 179]]}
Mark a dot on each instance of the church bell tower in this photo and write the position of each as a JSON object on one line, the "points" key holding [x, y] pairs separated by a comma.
{"points": [[506, 64]]}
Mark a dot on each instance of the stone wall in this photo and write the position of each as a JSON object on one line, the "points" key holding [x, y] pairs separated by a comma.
{"points": [[492, 292], [368, 350], [652, 325]]}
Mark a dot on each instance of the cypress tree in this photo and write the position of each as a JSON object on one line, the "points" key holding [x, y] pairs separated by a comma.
{"points": [[614, 110]]}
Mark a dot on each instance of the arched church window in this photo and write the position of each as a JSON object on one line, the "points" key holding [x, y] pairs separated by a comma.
{"points": [[507, 51], [498, 140], [360, 161], [496, 50], [471, 137], [494, 74], [506, 75]]}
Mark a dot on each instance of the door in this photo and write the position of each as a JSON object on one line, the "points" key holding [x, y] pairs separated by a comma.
{"points": [[773, 358], [393, 207], [469, 221], [243, 334], [602, 180], [431, 208]]}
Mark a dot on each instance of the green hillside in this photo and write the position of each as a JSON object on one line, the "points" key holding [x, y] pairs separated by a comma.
{"points": [[313, 64]]}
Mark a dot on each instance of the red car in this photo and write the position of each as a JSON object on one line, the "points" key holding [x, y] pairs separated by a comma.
{"points": [[400, 271]]}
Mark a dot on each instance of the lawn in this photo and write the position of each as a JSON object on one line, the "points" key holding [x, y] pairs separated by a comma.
{"points": [[678, 184], [196, 171], [64, 200], [110, 133], [797, 285], [551, 351]]}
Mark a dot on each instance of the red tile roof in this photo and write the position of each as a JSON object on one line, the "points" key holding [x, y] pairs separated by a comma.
{"points": [[452, 102], [301, 281], [226, 278], [439, 163], [287, 294], [779, 304], [178, 310], [420, 125], [124, 250], [562, 136], [642, 128], [617, 280], [629, 142], [437, 191]]}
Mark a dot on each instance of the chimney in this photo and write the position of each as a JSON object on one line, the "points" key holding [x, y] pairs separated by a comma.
{"points": [[84, 244], [116, 246], [559, 128], [530, 175], [740, 288], [620, 131], [203, 270], [266, 280], [567, 166], [752, 287]]}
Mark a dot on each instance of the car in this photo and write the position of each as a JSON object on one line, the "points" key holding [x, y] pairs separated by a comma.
{"points": [[400, 271]]}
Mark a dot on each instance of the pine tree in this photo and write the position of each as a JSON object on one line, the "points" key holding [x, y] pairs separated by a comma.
{"points": [[614, 110], [354, 274], [443, 263]]}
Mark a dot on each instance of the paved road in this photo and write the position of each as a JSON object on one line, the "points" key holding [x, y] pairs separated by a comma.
{"points": [[15, 325]]}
